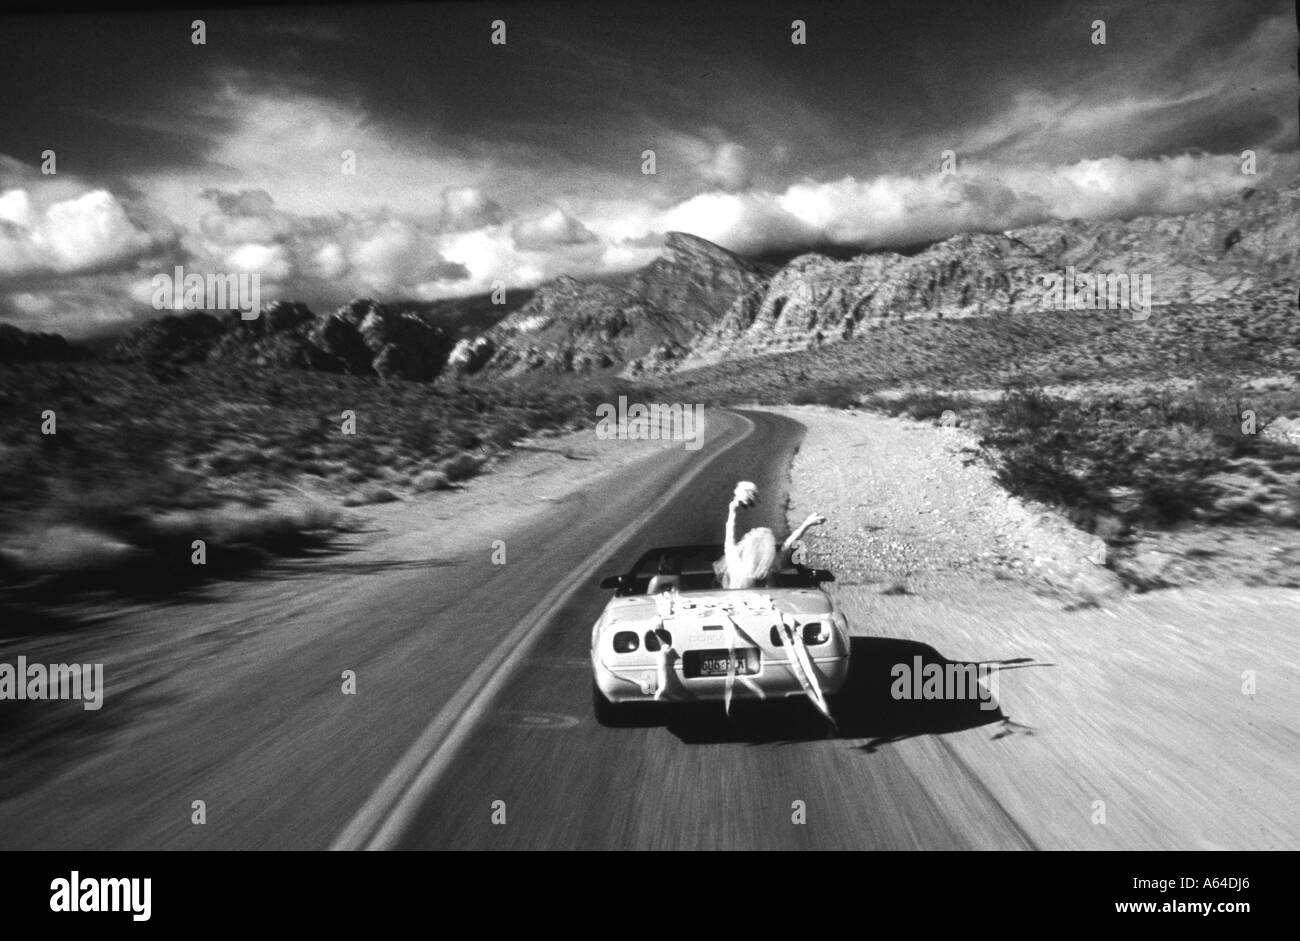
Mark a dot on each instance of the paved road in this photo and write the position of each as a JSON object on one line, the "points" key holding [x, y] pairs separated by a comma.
{"points": [[473, 688], [536, 771]]}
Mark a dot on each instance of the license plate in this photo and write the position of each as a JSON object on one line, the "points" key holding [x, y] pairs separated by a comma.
{"points": [[716, 662]]}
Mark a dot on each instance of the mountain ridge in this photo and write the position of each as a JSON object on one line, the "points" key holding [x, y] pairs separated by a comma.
{"points": [[698, 303]]}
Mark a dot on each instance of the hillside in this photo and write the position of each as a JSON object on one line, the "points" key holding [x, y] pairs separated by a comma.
{"points": [[643, 321], [699, 304], [1210, 257]]}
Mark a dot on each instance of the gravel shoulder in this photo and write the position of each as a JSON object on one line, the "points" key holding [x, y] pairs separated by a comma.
{"points": [[909, 505], [1162, 720]]}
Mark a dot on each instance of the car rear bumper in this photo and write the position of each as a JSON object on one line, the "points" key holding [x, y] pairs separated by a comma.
{"points": [[776, 679]]}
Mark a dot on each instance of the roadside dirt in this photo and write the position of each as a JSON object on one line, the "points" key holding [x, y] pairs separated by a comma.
{"points": [[1161, 720], [909, 505]]}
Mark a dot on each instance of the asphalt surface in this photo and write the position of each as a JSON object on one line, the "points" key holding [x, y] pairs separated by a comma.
{"points": [[537, 772], [471, 726]]}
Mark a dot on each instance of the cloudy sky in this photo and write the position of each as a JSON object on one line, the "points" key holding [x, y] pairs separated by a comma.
{"points": [[476, 163]]}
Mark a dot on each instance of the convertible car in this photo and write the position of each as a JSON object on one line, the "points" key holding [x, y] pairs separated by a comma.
{"points": [[670, 634]]}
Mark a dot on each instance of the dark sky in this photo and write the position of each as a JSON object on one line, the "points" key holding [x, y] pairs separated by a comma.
{"points": [[477, 163]]}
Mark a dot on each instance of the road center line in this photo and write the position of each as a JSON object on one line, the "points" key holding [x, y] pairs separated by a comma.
{"points": [[383, 819]]}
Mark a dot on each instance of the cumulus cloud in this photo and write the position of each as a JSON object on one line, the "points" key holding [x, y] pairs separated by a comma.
{"points": [[896, 211], [553, 230], [74, 305], [742, 222], [329, 263], [468, 243], [80, 234], [241, 202], [332, 256], [268, 261], [467, 207], [727, 167], [243, 216], [398, 254], [711, 158], [495, 254], [16, 208]]}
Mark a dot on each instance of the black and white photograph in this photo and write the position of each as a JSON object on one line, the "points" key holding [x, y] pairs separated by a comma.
{"points": [[651, 426]]}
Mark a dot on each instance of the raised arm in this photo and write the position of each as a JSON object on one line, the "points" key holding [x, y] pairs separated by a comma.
{"points": [[745, 494], [815, 519]]}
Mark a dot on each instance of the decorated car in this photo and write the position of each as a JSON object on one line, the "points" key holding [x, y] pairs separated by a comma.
{"points": [[671, 634]]}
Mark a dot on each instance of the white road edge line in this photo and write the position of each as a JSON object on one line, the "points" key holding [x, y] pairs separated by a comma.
{"points": [[386, 815]]}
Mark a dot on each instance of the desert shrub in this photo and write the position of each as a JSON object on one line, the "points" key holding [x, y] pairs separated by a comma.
{"points": [[418, 437], [371, 494], [1080, 454], [1025, 407], [535, 418], [461, 467], [1068, 374], [506, 433], [467, 438], [146, 552], [1168, 466], [833, 394], [429, 480], [930, 406], [921, 406]]}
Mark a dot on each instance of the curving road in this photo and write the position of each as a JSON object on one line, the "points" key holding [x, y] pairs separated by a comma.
{"points": [[473, 688], [523, 765]]}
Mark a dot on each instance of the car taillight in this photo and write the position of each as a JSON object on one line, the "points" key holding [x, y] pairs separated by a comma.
{"points": [[814, 634], [626, 642], [656, 639]]}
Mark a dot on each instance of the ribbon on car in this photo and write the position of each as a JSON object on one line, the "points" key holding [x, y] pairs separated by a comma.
{"points": [[732, 627], [801, 664], [665, 607]]}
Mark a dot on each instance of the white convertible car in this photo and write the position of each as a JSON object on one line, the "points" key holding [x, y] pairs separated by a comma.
{"points": [[671, 635]]}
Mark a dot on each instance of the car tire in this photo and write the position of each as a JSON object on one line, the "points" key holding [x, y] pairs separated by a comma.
{"points": [[611, 715]]}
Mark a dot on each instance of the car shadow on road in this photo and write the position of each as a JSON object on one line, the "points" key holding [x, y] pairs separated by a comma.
{"points": [[865, 708]]}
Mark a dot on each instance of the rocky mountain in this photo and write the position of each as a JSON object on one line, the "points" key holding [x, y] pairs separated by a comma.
{"points": [[645, 320], [1196, 258], [815, 299], [361, 338], [1219, 255], [467, 317], [698, 303]]}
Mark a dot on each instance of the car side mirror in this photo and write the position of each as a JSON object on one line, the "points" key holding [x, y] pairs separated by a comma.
{"points": [[612, 581]]}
